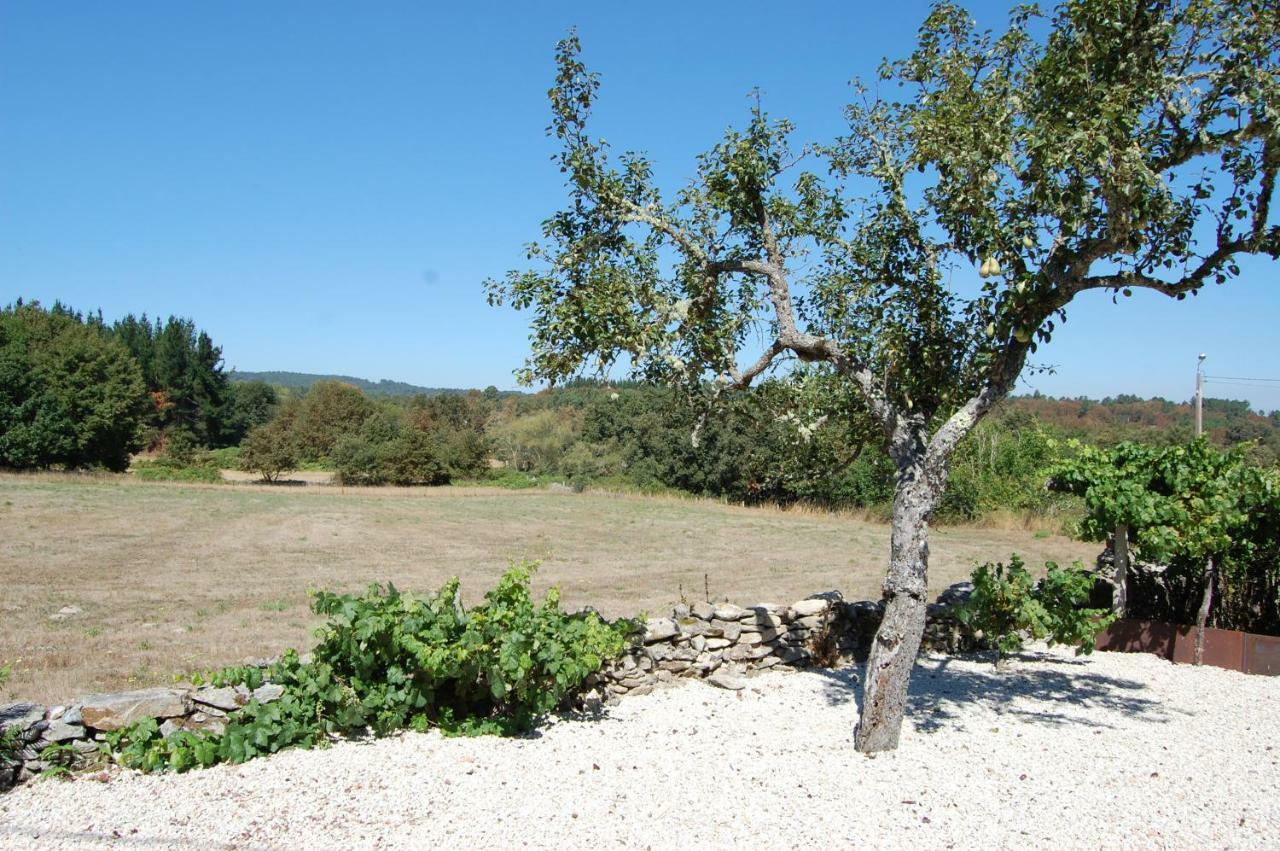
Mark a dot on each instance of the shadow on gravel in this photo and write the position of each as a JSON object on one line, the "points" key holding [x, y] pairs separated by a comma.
{"points": [[1042, 694]]}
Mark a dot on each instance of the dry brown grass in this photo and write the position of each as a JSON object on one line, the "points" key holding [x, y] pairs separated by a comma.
{"points": [[173, 578]]}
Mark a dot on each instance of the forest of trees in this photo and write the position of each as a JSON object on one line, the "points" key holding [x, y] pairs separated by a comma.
{"points": [[77, 392]]}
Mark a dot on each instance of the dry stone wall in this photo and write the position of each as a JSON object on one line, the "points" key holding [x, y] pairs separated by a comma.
{"points": [[719, 642], [722, 643], [80, 728]]}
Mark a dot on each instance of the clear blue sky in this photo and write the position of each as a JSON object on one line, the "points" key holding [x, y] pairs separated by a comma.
{"points": [[324, 187]]}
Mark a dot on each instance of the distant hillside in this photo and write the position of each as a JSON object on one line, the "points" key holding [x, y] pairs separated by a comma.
{"points": [[1226, 422], [303, 380]]}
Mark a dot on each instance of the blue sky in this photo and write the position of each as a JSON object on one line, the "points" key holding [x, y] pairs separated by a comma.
{"points": [[324, 187]]}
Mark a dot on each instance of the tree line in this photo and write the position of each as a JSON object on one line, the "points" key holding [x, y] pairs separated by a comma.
{"points": [[77, 392]]}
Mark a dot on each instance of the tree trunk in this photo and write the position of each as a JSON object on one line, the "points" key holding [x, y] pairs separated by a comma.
{"points": [[1202, 617], [1120, 598], [893, 652]]}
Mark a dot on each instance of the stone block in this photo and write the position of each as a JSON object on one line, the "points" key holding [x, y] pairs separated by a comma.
{"points": [[268, 692], [812, 606], [730, 629], [692, 626], [227, 698], [726, 680], [61, 731], [117, 711], [659, 629], [22, 716], [727, 612], [702, 611]]}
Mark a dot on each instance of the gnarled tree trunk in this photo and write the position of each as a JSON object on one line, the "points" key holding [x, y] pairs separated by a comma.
{"points": [[893, 652], [1120, 549], [923, 464], [1202, 617]]}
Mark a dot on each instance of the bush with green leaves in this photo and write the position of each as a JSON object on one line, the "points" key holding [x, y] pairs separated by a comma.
{"points": [[11, 745], [181, 461], [269, 451], [1008, 607], [388, 661], [390, 454], [163, 470], [1210, 515]]}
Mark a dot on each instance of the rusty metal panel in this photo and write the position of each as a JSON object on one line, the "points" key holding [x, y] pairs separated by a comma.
{"points": [[1138, 636], [1223, 648], [1262, 654]]}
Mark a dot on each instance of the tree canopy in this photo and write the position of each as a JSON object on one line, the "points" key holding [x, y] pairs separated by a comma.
{"points": [[183, 371], [1105, 145], [1206, 513], [1135, 146], [69, 396]]}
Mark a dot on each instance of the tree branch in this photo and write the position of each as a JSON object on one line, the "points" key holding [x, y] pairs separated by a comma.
{"points": [[1206, 143], [742, 380], [1193, 280], [636, 213]]}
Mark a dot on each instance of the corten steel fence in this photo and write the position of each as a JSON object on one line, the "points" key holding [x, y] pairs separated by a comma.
{"points": [[1223, 648]]}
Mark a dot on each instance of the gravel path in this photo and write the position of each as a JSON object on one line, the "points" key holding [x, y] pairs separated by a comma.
{"points": [[1125, 750]]}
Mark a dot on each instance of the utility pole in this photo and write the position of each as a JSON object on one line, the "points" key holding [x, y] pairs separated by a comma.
{"points": [[1200, 395]]}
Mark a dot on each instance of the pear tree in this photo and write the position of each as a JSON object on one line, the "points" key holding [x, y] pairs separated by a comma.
{"points": [[1102, 145]]}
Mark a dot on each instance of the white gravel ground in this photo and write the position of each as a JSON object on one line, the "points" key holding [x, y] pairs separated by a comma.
{"points": [[1121, 750]]}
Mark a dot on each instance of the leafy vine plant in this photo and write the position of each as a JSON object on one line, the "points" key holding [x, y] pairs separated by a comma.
{"points": [[1203, 512], [1104, 145]]}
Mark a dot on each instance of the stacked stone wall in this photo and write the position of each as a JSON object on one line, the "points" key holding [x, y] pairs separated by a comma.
{"points": [[723, 642], [720, 642]]}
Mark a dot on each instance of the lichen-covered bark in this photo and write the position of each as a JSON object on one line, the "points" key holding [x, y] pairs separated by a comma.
{"points": [[893, 653], [923, 463], [1120, 598], [1202, 617]]}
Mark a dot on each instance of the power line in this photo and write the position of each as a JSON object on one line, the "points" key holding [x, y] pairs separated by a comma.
{"points": [[1256, 384], [1238, 378]]}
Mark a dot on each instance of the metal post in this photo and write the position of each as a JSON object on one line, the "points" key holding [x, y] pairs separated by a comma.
{"points": [[1200, 395]]}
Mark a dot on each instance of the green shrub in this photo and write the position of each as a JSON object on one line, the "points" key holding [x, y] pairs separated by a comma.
{"points": [[11, 746], [414, 458], [358, 461], [407, 457], [161, 470], [268, 450], [226, 458], [388, 661], [1008, 607], [585, 463], [1002, 465], [535, 443]]}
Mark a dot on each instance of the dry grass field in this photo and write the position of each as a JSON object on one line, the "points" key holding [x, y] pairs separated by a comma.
{"points": [[174, 578]]}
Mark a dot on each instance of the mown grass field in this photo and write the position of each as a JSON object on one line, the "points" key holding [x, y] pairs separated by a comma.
{"points": [[174, 578]]}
